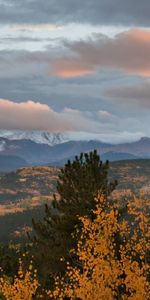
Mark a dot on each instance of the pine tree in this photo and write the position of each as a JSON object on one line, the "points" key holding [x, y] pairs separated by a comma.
{"points": [[79, 183], [81, 180]]}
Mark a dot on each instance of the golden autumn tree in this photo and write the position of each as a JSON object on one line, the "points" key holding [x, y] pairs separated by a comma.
{"points": [[113, 257], [24, 286], [113, 260]]}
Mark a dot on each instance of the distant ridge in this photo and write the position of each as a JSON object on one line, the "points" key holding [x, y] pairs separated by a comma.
{"points": [[53, 138], [145, 139], [40, 148], [11, 163], [116, 156]]}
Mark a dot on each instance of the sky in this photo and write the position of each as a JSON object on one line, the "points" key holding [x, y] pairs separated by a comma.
{"points": [[76, 66]]}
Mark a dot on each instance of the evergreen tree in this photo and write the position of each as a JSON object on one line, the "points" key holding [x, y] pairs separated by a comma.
{"points": [[81, 180], [78, 184]]}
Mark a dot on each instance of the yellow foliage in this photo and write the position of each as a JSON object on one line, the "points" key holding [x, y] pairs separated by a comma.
{"points": [[24, 286], [113, 262]]}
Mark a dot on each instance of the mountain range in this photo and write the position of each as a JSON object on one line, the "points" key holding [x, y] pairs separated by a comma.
{"points": [[23, 148]]}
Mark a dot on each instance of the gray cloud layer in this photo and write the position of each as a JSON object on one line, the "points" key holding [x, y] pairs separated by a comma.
{"points": [[105, 12], [136, 94], [102, 81]]}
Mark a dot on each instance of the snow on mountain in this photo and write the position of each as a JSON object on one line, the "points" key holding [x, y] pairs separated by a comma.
{"points": [[49, 138], [39, 137], [52, 139]]}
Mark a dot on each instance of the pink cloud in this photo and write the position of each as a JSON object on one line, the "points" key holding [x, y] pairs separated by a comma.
{"points": [[30, 115], [128, 51], [68, 68]]}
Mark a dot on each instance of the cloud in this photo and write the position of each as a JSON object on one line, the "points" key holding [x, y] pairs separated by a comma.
{"points": [[128, 51], [104, 113], [116, 12], [135, 94], [113, 137], [35, 27], [30, 115], [97, 78], [67, 68]]}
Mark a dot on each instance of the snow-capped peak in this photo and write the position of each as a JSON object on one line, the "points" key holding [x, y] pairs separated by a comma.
{"points": [[52, 139], [39, 137]]}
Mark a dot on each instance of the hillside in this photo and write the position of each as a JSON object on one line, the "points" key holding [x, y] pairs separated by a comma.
{"points": [[134, 174], [27, 183], [23, 193]]}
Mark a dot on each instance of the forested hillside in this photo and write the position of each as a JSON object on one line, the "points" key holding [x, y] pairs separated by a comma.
{"points": [[92, 241]]}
